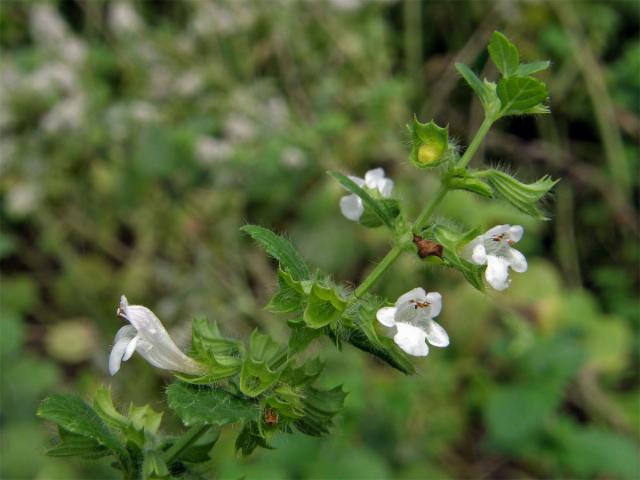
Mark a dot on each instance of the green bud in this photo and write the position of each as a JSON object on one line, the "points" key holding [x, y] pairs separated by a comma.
{"points": [[462, 180], [429, 144], [523, 196]]}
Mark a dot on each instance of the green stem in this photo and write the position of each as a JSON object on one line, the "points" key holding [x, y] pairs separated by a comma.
{"points": [[475, 143], [425, 215], [184, 442], [380, 269]]}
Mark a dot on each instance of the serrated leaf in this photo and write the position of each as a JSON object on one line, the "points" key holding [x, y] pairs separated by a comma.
{"points": [[376, 207], [75, 416], [301, 335], [280, 249], [325, 306], [319, 407], [504, 54], [198, 405], [518, 94], [290, 296], [474, 82], [74, 445], [525, 69]]}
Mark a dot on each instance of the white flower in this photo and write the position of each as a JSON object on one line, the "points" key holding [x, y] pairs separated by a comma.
{"points": [[149, 338], [413, 318], [351, 205], [493, 248]]}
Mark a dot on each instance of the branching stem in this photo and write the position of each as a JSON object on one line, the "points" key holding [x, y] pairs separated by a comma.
{"points": [[184, 442]]}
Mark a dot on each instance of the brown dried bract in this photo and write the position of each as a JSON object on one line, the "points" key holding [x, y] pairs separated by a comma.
{"points": [[427, 248]]}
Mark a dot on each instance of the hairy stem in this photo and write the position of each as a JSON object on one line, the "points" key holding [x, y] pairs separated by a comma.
{"points": [[475, 143], [184, 442], [377, 272], [425, 215]]}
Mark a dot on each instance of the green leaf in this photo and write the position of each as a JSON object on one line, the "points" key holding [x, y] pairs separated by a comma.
{"points": [[325, 306], [75, 416], [370, 219], [474, 82], [525, 69], [378, 208], [523, 196], [301, 335], [504, 54], [103, 405], [250, 438], [263, 366], [280, 249], [290, 296], [517, 94], [74, 445], [199, 451], [319, 407], [195, 405]]}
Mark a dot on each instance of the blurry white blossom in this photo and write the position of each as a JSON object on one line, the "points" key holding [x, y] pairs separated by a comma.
{"points": [[210, 150], [47, 26], [493, 248], [351, 206], [22, 199], [67, 114], [412, 317], [123, 19], [52, 76], [189, 83], [293, 157], [239, 127], [147, 336]]}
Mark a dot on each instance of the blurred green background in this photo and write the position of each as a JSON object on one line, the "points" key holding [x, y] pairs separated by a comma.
{"points": [[137, 137]]}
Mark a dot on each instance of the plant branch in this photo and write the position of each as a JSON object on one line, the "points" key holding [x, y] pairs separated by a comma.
{"points": [[477, 140], [380, 269], [184, 442]]}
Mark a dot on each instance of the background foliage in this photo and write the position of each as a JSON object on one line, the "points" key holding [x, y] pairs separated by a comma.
{"points": [[137, 138]]}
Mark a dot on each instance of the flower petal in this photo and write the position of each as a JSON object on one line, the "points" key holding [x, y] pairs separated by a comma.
{"points": [[436, 335], [411, 340], [131, 347], [515, 233], [386, 316], [435, 300], [517, 261], [372, 177], [497, 230], [497, 272], [123, 338], [385, 187], [479, 254], [351, 207], [415, 294], [357, 180]]}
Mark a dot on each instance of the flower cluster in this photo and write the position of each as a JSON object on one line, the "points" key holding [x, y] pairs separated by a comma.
{"points": [[411, 319]]}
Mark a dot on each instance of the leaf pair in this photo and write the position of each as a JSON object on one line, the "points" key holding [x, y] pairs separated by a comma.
{"points": [[517, 93]]}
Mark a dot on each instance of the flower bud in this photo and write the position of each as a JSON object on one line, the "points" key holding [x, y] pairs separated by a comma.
{"points": [[523, 196], [429, 144]]}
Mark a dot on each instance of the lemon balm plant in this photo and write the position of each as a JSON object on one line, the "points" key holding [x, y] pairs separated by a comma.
{"points": [[266, 388]]}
